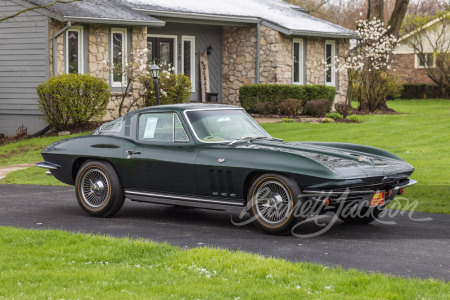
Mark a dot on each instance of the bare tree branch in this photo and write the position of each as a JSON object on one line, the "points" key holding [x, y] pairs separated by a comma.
{"points": [[37, 7]]}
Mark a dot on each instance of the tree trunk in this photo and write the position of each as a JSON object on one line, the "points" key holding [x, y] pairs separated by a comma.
{"points": [[375, 9], [396, 19]]}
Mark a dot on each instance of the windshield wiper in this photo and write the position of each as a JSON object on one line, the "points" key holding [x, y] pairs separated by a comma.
{"points": [[252, 138]]}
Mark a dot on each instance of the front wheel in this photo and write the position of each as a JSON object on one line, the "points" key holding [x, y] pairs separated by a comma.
{"points": [[273, 198], [98, 189]]}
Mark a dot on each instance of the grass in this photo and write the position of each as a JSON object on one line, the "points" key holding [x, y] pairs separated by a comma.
{"points": [[60, 265], [33, 175], [27, 151], [420, 135]]}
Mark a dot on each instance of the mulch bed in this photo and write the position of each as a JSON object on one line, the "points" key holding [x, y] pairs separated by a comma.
{"points": [[22, 132]]}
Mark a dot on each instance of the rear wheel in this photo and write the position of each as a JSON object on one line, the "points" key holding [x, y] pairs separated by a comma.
{"points": [[98, 189], [273, 198]]}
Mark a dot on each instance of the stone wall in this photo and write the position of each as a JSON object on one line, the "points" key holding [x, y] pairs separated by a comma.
{"points": [[276, 57], [54, 27], [314, 57], [138, 42], [342, 77], [238, 61], [315, 48], [97, 54], [403, 66]]}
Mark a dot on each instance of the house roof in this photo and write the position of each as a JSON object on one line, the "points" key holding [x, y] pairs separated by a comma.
{"points": [[101, 11], [277, 14], [282, 16], [431, 23]]}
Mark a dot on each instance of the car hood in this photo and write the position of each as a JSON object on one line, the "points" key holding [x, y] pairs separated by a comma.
{"points": [[349, 160]]}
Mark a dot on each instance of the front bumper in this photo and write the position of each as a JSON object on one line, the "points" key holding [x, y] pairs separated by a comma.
{"points": [[48, 165], [356, 194]]}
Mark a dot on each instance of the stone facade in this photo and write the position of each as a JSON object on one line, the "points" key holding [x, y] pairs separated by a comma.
{"points": [[403, 66], [276, 57], [97, 54], [239, 60], [54, 27], [138, 43]]}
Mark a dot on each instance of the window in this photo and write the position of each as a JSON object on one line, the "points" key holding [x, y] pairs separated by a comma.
{"points": [[425, 60], [74, 50], [298, 61], [161, 127], [162, 49], [118, 56], [223, 125], [188, 58], [330, 70]]}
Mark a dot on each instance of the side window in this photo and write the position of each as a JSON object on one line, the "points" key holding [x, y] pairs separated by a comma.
{"points": [[118, 56], [180, 133], [74, 50], [161, 127], [330, 75], [298, 61]]}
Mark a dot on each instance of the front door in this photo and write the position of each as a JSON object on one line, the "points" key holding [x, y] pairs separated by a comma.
{"points": [[160, 50], [162, 156]]}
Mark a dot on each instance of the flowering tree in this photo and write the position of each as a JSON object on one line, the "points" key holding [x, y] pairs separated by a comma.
{"points": [[135, 66], [367, 65]]}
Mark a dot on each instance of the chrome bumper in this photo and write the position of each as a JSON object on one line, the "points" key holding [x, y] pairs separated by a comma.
{"points": [[48, 165], [359, 190]]}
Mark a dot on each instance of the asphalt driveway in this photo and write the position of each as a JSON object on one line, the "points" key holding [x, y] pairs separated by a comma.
{"points": [[407, 248]]}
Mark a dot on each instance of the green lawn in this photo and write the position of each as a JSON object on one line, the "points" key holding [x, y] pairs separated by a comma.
{"points": [[53, 264], [420, 135], [27, 151]]}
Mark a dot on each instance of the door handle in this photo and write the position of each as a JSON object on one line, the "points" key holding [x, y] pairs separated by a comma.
{"points": [[131, 152]]}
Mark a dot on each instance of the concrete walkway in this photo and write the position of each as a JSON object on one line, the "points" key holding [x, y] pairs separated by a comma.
{"points": [[8, 169]]}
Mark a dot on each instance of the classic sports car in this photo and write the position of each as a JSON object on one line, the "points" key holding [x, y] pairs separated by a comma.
{"points": [[217, 157]]}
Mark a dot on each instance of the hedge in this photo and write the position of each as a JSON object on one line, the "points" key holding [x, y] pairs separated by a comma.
{"points": [[251, 94], [421, 91]]}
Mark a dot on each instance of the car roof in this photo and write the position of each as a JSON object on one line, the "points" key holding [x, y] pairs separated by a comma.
{"points": [[182, 107]]}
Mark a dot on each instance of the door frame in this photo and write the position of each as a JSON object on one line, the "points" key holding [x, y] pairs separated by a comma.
{"points": [[175, 47]]}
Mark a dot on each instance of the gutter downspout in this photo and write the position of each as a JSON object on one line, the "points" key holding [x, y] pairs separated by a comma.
{"points": [[258, 49], [55, 47]]}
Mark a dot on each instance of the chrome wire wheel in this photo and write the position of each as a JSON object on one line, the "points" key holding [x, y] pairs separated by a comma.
{"points": [[273, 202], [95, 188]]}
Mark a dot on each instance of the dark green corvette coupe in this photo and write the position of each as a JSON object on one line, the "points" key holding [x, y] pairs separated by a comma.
{"points": [[218, 157]]}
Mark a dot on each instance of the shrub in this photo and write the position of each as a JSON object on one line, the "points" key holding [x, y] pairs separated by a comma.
{"points": [[394, 88], [327, 120], [251, 94], [265, 108], [291, 107], [173, 88], [72, 99], [354, 119], [342, 108], [334, 116], [421, 91], [287, 120], [317, 108]]}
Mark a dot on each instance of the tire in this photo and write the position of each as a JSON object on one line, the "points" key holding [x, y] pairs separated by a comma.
{"points": [[367, 215], [98, 189], [272, 199]]}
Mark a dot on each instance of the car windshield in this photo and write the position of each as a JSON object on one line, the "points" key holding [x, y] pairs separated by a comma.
{"points": [[224, 125]]}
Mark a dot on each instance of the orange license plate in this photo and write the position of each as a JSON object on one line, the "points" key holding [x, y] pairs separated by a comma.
{"points": [[378, 199]]}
